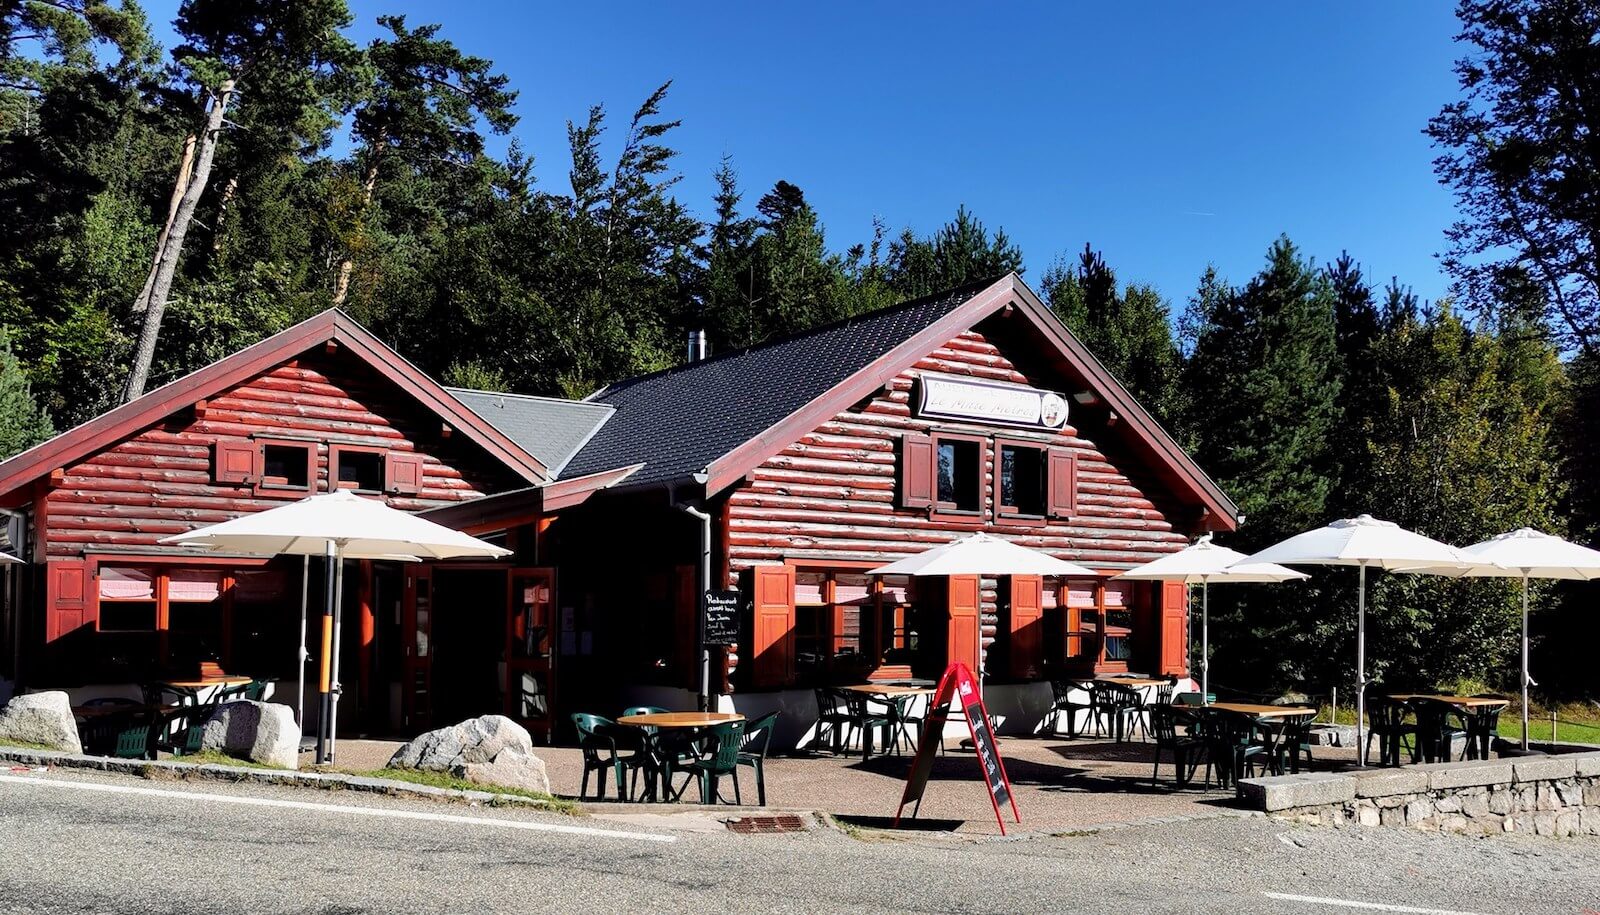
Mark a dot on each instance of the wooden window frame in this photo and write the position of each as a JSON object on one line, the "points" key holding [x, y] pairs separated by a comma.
{"points": [[161, 569], [947, 511], [264, 484], [1008, 514], [337, 451]]}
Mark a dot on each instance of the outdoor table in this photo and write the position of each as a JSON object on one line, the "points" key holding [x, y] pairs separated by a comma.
{"points": [[891, 695], [887, 689], [1131, 681], [671, 721], [1250, 715], [1431, 743], [188, 691]]}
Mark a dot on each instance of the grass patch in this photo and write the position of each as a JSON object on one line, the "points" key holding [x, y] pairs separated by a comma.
{"points": [[214, 758], [1578, 722], [25, 745], [451, 783]]}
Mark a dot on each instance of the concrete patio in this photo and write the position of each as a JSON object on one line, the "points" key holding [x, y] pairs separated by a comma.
{"points": [[1061, 785]]}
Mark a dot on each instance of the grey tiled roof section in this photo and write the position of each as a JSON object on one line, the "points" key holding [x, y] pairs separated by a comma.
{"points": [[676, 422], [549, 428]]}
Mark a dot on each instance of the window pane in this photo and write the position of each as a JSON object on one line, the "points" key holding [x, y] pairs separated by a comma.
{"points": [[286, 465], [1022, 479], [361, 470], [126, 584], [194, 585], [1119, 648], [128, 616], [960, 477]]}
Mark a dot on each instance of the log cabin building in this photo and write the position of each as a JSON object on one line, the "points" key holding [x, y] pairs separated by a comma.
{"points": [[784, 471]]}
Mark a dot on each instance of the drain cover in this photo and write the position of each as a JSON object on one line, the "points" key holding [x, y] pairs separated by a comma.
{"points": [[786, 822]]}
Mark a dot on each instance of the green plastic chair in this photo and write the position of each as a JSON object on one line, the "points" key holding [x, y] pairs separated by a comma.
{"points": [[597, 740], [661, 753], [753, 752], [723, 759], [1190, 699]]}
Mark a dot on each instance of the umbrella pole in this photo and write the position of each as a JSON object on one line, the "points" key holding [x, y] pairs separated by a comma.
{"points": [[300, 667], [1525, 663], [338, 614], [1205, 640], [325, 660], [1361, 665]]}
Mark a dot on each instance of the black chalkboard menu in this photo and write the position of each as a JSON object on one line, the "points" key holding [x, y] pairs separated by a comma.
{"points": [[722, 617]]}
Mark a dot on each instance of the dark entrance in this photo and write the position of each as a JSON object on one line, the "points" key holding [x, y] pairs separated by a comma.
{"points": [[468, 641]]}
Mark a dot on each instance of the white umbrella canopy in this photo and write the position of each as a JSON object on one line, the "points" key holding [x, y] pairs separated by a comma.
{"points": [[361, 528], [7, 559], [1203, 563], [1523, 553], [339, 525], [981, 554], [1362, 541]]}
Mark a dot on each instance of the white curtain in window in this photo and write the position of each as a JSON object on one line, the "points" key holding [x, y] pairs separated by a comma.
{"points": [[194, 585], [126, 584]]}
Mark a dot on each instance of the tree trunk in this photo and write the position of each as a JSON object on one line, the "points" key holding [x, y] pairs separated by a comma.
{"points": [[341, 286], [185, 169], [228, 190], [167, 266]]}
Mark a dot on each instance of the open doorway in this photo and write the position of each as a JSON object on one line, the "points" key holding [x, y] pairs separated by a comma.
{"points": [[468, 643]]}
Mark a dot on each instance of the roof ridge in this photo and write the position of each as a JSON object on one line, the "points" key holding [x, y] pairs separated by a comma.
{"points": [[540, 397], [973, 287]]}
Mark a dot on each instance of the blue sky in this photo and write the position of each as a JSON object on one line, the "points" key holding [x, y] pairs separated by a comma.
{"points": [[1170, 135]]}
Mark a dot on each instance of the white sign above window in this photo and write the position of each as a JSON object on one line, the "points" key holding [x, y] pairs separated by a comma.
{"points": [[989, 402]]}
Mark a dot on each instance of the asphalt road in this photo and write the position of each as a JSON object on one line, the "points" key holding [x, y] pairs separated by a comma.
{"points": [[97, 843]]}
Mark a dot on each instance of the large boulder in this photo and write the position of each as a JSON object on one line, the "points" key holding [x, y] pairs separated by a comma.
{"points": [[262, 732], [490, 750], [41, 719]]}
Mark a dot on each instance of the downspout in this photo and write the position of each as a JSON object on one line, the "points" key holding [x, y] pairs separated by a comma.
{"points": [[699, 514]]}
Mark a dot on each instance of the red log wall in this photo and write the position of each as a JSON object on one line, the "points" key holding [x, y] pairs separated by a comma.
{"points": [[160, 481], [831, 495]]}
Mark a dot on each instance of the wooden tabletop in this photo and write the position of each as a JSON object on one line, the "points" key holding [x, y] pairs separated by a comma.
{"points": [[887, 689], [1131, 681], [1261, 711], [1458, 701], [679, 719], [205, 682]]}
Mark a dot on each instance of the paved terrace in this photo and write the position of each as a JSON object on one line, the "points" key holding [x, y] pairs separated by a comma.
{"points": [[1061, 785]]}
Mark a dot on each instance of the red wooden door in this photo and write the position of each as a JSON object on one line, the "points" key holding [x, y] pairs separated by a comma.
{"points": [[772, 628], [530, 649], [416, 632], [1026, 630], [963, 609], [1174, 614]]}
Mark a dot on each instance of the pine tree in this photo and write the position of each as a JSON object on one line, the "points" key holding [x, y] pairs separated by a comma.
{"points": [[1127, 329], [23, 423], [1264, 387]]}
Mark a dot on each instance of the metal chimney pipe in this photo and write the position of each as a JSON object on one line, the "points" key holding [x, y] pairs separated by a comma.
{"points": [[698, 348]]}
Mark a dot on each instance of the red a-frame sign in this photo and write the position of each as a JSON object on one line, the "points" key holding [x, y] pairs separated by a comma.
{"points": [[958, 684]]}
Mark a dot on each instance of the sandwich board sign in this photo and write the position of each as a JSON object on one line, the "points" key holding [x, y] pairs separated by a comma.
{"points": [[958, 686]]}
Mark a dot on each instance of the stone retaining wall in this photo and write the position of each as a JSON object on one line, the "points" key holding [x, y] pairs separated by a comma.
{"points": [[1537, 795]]}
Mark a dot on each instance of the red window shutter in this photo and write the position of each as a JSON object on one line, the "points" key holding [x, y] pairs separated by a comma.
{"points": [[916, 471], [236, 461], [1174, 616], [963, 607], [69, 602], [772, 626], [1062, 484], [1026, 629], [402, 473]]}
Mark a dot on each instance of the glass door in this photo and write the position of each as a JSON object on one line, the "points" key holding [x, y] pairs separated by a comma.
{"points": [[416, 687], [530, 649]]}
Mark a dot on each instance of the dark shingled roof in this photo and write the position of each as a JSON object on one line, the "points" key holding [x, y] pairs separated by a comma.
{"points": [[677, 421], [549, 428]]}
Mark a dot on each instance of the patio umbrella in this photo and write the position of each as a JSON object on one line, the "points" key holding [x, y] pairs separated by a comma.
{"points": [[339, 525], [981, 554], [1523, 553], [1203, 563], [1361, 542]]}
